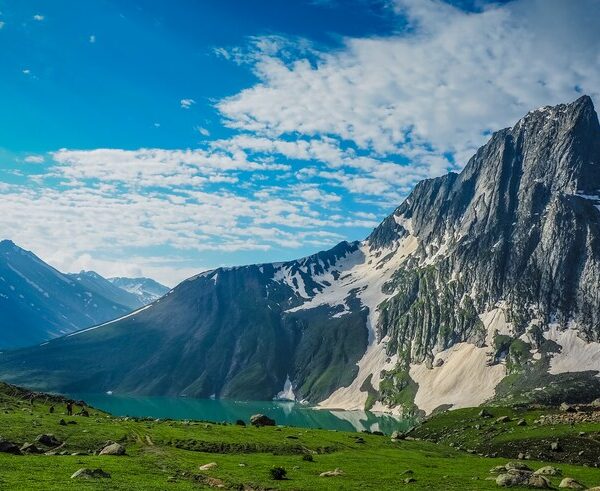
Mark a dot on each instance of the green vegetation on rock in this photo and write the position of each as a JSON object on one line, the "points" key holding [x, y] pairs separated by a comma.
{"points": [[396, 388], [423, 314]]}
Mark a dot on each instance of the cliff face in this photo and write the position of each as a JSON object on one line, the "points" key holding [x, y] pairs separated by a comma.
{"points": [[520, 224], [518, 230], [491, 272]]}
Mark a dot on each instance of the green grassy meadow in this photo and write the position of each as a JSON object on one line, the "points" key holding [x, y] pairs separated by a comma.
{"points": [[165, 455]]}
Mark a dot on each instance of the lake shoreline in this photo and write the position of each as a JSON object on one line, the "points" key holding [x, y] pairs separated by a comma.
{"points": [[287, 413]]}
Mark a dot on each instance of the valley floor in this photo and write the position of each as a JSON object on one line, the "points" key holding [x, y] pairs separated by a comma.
{"points": [[168, 454]]}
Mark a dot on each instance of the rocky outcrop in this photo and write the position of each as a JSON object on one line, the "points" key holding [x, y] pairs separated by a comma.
{"points": [[113, 449], [48, 440], [85, 473], [519, 225], [261, 420], [9, 447]]}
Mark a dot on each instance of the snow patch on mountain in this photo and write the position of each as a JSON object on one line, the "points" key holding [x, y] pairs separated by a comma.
{"points": [[287, 394], [333, 293], [110, 322], [311, 275], [146, 290], [435, 251], [28, 281], [495, 322], [590, 197], [405, 223], [464, 378], [462, 375], [576, 354], [287, 275], [367, 279]]}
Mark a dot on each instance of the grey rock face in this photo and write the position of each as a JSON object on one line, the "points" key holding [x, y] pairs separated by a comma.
{"points": [[9, 447], [48, 440], [261, 420], [113, 449], [85, 473], [520, 224]]}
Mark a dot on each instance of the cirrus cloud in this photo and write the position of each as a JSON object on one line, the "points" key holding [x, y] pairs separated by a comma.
{"points": [[186, 103]]}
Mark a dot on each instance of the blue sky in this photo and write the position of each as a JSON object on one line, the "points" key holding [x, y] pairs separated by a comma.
{"points": [[146, 57], [163, 138]]}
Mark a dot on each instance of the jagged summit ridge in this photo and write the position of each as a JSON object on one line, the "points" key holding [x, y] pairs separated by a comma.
{"points": [[552, 149]]}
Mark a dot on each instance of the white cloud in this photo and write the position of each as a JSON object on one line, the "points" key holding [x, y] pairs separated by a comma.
{"points": [[313, 194], [34, 159], [203, 131], [223, 53], [435, 90], [88, 220], [92, 38], [360, 124], [259, 46], [167, 270], [118, 203], [154, 166], [186, 103], [322, 149], [2, 24], [357, 174], [38, 17]]}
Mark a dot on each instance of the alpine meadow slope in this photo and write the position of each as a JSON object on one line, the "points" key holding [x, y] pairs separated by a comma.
{"points": [[481, 286]]}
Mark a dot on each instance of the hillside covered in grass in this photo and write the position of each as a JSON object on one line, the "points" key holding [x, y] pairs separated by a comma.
{"points": [[166, 454]]}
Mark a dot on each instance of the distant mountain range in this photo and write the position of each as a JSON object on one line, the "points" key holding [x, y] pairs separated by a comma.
{"points": [[146, 290], [480, 286], [92, 281], [38, 302]]}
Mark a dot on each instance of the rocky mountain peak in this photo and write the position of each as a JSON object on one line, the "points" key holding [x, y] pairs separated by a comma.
{"points": [[552, 151], [7, 245], [560, 146], [475, 276]]}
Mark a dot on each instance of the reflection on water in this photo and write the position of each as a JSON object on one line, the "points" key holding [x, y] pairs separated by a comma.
{"points": [[284, 413]]}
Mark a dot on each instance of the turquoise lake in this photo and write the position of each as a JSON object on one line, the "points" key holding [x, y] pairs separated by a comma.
{"points": [[284, 413]]}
